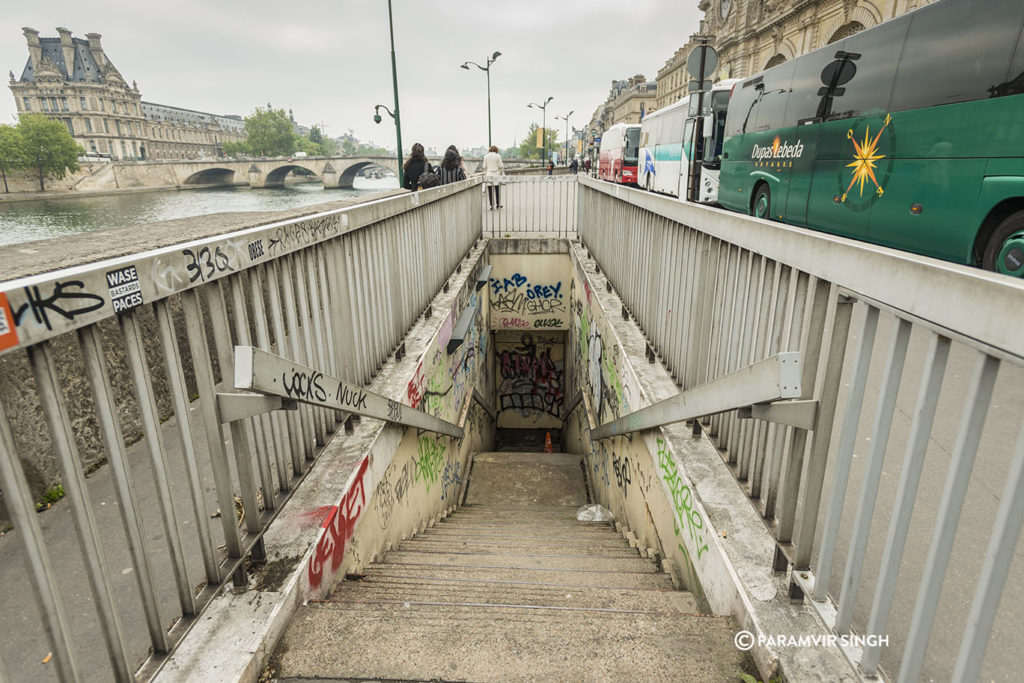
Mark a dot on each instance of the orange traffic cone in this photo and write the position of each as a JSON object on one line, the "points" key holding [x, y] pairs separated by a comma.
{"points": [[547, 443]]}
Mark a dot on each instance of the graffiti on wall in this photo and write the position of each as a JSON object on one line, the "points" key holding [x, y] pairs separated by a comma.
{"points": [[429, 460], [338, 528], [517, 302], [531, 376], [687, 518]]}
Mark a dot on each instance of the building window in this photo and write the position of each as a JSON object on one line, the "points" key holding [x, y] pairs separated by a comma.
{"points": [[124, 150], [46, 106], [71, 128], [106, 125], [28, 103], [117, 124], [92, 146], [88, 125], [81, 101], [64, 104], [101, 104], [53, 104]]}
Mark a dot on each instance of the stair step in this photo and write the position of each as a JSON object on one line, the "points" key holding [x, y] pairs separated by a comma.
{"points": [[534, 576], [527, 479], [525, 560], [398, 590], [446, 530], [425, 642], [605, 548]]}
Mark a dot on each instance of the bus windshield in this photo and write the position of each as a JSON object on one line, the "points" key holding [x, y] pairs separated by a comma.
{"points": [[719, 107], [631, 149]]}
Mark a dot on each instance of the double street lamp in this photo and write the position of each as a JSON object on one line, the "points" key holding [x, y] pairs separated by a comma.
{"points": [[487, 70], [566, 119], [544, 125], [393, 114]]}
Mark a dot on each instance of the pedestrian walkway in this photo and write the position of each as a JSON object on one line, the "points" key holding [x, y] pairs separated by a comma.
{"points": [[511, 587]]}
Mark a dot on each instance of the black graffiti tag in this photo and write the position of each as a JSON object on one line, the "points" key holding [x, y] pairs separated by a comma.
{"points": [[350, 398], [306, 386], [41, 307]]}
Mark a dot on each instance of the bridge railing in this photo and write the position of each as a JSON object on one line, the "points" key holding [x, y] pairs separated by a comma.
{"points": [[714, 291], [153, 333], [532, 206]]}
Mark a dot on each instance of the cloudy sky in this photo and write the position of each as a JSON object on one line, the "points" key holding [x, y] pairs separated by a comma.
{"points": [[330, 62]]}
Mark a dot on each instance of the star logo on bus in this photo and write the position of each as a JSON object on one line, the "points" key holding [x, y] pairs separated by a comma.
{"points": [[865, 156]]}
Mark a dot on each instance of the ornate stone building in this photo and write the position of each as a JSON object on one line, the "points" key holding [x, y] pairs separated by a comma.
{"points": [[73, 81], [626, 100], [753, 35]]}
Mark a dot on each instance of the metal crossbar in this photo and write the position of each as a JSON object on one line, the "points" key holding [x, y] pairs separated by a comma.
{"points": [[767, 380], [271, 374]]}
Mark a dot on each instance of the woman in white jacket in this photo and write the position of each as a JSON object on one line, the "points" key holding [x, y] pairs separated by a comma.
{"points": [[493, 170]]}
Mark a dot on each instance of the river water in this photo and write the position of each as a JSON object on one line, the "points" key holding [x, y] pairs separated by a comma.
{"points": [[48, 218]]}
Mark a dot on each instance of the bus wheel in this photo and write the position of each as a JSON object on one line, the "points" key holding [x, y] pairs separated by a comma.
{"points": [[762, 204], [1004, 251]]}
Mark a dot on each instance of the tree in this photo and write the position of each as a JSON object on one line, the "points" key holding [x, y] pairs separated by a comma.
{"points": [[528, 148], [234, 149], [12, 151], [48, 146], [269, 133]]}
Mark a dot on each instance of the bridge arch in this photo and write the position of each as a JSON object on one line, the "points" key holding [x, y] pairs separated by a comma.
{"points": [[276, 176], [211, 176]]}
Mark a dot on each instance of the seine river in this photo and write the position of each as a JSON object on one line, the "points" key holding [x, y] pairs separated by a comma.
{"points": [[48, 218]]}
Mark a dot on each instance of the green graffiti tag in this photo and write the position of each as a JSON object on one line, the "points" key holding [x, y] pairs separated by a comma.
{"points": [[430, 461], [682, 499]]}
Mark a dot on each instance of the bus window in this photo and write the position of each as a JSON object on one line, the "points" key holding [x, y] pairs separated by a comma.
{"points": [[956, 51], [741, 106], [719, 107], [632, 146], [769, 111], [1014, 84]]}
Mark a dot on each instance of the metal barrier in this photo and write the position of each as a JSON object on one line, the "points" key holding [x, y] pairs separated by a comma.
{"points": [[336, 290], [532, 206], [714, 291]]}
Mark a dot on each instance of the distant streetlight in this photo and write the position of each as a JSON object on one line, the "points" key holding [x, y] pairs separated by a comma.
{"points": [[393, 114], [487, 70], [544, 125], [566, 119]]}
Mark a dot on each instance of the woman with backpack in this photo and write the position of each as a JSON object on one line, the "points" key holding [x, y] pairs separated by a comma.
{"points": [[450, 170], [415, 166]]}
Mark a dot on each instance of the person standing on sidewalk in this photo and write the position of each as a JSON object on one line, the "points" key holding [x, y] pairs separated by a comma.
{"points": [[493, 170]]}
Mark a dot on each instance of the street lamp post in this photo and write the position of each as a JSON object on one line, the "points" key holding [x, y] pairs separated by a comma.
{"points": [[487, 70], [544, 125], [566, 119], [393, 114]]}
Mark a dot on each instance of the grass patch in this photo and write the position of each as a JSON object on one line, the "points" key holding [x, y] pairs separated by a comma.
{"points": [[51, 496]]}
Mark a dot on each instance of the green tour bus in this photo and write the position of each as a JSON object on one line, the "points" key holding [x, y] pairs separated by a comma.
{"points": [[909, 135]]}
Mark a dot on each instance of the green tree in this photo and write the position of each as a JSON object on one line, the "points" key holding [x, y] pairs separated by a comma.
{"points": [[269, 133], [233, 149], [12, 151], [315, 136], [528, 148], [48, 146]]}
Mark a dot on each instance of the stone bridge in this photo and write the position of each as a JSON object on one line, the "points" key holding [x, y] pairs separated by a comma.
{"points": [[335, 171]]}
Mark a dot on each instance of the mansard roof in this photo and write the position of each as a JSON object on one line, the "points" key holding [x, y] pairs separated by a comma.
{"points": [[84, 70]]}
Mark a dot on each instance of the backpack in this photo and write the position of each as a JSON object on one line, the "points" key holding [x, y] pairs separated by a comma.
{"points": [[428, 178]]}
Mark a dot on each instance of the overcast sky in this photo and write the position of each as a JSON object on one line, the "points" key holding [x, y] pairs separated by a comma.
{"points": [[330, 62]]}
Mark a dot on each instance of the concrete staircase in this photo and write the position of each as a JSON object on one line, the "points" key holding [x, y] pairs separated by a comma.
{"points": [[511, 587]]}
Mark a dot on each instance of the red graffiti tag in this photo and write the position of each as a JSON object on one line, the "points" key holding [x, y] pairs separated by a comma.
{"points": [[337, 530]]}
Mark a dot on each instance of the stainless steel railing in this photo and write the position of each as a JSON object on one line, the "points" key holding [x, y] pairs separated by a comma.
{"points": [[338, 290], [714, 291], [532, 206]]}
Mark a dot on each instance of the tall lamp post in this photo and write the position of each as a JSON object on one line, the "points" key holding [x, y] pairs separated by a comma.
{"points": [[487, 70], [566, 119], [393, 114], [544, 125]]}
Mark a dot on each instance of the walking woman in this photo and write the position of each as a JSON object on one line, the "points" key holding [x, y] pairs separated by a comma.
{"points": [[493, 170], [414, 167], [450, 170]]}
